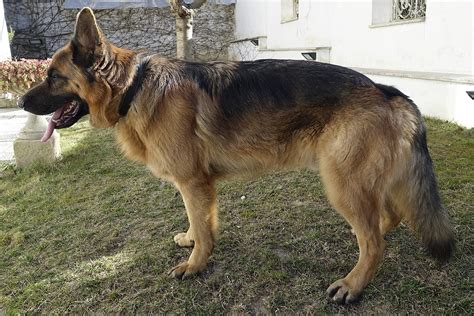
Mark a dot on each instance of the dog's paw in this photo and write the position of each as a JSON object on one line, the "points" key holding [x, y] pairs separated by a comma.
{"points": [[184, 270], [183, 240], [341, 292]]}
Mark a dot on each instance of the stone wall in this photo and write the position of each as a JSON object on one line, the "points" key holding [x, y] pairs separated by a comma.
{"points": [[43, 26]]}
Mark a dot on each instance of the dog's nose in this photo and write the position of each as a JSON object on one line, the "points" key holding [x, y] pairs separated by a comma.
{"points": [[21, 103]]}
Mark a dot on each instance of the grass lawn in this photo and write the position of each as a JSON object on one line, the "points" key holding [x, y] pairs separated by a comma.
{"points": [[94, 233]]}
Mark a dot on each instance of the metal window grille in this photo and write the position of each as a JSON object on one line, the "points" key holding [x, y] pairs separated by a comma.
{"points": [[408, 9]]}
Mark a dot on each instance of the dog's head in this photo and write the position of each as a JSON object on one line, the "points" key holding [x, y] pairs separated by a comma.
{"points": [[87, 76]]}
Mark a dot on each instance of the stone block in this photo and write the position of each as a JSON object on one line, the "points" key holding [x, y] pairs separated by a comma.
{"points": [[29, 151], [28, 147], [7, 100]]}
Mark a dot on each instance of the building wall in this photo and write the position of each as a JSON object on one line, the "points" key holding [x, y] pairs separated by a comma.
{"points": [[442, 43], [251, 18], [4, 44], [443, 99], [44, 26], [432, 60]]}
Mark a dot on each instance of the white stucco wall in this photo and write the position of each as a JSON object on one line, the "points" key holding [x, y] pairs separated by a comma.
{"points": [[443, 43], [447, 100], [4, 45], [250, 18]]}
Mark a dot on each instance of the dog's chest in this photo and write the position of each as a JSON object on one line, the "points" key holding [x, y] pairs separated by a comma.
{"points": [[151, 151], [130, 143]]}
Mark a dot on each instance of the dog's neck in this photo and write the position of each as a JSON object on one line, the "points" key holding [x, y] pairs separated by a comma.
{"points": [[134, 87]]}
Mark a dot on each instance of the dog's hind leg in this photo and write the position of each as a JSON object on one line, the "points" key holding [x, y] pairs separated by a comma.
{"points": [[361, 208], [200, 200], [389, 218]]}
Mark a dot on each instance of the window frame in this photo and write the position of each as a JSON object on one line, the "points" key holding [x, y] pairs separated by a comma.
{"points": [[387, 13], [285, 5]]}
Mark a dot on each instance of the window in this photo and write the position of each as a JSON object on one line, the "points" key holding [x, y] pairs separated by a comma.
{"points": [[387, 12], [289, 10], [408, 9]]}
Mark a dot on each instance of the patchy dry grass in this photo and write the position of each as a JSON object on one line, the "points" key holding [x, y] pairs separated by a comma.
{"points": [[93, 233]]}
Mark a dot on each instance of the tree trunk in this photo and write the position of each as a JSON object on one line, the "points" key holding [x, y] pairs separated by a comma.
{"points": [[184, 37], [184, 26]]}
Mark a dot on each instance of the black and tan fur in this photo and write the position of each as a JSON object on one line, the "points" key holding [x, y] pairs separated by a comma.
{"points": [[196, 123]]}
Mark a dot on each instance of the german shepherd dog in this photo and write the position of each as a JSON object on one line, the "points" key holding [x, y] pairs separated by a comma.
{"points": [[196, 123]]}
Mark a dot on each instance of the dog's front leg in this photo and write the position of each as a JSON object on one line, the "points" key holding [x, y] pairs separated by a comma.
{"points": [[200, 200]]}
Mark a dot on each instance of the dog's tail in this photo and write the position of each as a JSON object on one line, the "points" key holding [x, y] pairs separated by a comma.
{"points": [[419, 190], [429, 217]]}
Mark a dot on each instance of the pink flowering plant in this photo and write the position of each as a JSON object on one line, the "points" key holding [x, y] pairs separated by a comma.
{"points": [[17, 76]]}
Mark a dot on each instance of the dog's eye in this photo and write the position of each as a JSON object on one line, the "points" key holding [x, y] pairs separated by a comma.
{"points": [[53, 74]]}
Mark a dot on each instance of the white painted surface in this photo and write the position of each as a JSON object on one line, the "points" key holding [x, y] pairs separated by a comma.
{"points": [[4, 45], [441, 99], [11, 122], [251, 18], [442, 43]]}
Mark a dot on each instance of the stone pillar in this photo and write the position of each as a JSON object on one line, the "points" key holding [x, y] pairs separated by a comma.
{"points": [[28, 147]]}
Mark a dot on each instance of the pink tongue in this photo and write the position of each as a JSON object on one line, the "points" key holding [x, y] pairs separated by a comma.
{"points": [[51, 125]]}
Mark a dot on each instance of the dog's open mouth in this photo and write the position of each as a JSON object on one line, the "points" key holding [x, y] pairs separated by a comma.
{"points": [[63, 117]]}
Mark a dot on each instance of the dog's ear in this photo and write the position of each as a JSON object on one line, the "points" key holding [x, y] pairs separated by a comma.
{"points": [[88, 38]]}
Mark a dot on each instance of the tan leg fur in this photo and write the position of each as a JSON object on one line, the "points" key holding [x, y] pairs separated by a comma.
{"points": [[200, 200]]}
